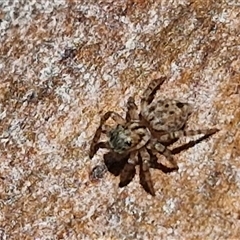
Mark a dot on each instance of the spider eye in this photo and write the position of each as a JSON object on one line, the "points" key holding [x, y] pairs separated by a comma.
{"points": [[129, 143]]}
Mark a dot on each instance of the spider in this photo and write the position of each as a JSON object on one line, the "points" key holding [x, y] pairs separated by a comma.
{"points": [[142, 134]]}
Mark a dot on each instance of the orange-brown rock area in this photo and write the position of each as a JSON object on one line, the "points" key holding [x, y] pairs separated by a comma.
{"points": [[63, 64]]}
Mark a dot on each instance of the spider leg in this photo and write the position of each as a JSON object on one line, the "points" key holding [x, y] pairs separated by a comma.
{"points": [[132, 113], [156, 165], [175, 135], [128, 172], [181, 133], [94, 148], [190, 144], [145, 175], [167, 153], [150, 92], [116, 117]]}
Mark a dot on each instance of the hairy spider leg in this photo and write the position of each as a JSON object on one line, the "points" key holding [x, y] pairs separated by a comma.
{"points": [[159, 147], [150, 92], [145, 175], [153, 163], [190, 144], [116, 117], [128, 172], [132, 113], [164, 138], [99, 145]]}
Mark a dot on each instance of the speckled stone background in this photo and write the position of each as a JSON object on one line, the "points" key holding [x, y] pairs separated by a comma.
{"points": [[63, 63]]}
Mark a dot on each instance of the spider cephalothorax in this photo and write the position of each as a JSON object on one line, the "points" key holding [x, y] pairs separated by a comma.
{"points": [[128, 138], [120, 139], [141, 135]]}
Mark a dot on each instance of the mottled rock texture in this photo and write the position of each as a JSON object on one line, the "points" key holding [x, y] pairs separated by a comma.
{"points": [[63, 63]]}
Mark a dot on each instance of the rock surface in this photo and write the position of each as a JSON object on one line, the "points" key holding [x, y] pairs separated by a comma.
{"points": [[63, 63]]}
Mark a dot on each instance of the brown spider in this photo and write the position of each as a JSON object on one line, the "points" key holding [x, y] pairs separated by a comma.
{"points": [[140, 136]]}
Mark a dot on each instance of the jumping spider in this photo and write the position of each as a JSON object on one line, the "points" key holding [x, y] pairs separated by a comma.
{"points": [[140, 136]]}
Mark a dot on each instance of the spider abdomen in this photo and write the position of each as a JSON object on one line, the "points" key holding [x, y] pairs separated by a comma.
{"points": [[166, 115]]}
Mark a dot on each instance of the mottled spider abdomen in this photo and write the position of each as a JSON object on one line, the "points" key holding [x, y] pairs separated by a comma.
{"points": [[166, 115]]}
